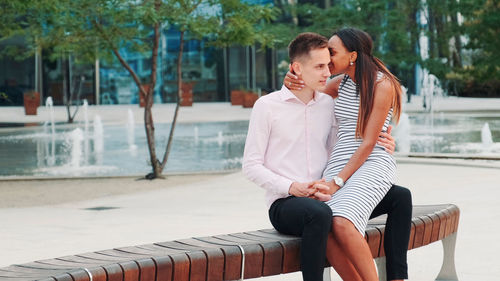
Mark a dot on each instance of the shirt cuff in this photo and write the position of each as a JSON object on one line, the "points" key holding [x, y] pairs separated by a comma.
{"points": [[283, 186]]}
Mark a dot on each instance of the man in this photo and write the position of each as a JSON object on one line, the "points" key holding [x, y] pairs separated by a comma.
{"points": [[290, 136]]}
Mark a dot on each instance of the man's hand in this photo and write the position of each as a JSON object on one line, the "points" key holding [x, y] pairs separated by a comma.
{"points": [[386, 140], [301, 189]]}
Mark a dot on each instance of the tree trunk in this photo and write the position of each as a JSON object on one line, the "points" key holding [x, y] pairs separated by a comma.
{"points": [[67, 88], [178, 99], [148, 116]]}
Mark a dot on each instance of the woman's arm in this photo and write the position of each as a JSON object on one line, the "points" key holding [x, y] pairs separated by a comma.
{"points": [[384, 93], [293, 82], [332, 86]]}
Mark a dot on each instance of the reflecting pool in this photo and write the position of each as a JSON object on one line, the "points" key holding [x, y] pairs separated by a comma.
{"points": [[96, 149]]}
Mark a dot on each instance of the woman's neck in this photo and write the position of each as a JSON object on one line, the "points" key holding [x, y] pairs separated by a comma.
{"points": [[351, 72]]}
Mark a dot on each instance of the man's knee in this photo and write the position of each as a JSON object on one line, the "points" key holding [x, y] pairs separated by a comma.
{"points": [[320, 213]]}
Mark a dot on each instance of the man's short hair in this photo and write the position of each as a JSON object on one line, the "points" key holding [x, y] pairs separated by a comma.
{"points": [[304, 43]]}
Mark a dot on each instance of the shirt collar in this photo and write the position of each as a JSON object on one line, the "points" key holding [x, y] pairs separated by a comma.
{"points": [[287, 95]]}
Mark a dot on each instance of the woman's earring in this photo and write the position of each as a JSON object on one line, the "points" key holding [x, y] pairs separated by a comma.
{"points": [[351, 63]]}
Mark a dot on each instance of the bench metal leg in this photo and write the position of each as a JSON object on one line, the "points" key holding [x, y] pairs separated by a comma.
{"points": [[382, 274], [326, 274], [448, 271]]}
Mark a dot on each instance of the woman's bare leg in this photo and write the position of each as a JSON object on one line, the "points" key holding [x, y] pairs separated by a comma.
{"points": [[355, 248], [339, 261]]}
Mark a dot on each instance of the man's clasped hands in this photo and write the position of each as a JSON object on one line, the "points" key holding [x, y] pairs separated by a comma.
{"points": [[320, 190]]}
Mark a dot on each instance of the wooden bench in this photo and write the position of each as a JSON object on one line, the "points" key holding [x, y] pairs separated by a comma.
{"points": [[231, 257]]}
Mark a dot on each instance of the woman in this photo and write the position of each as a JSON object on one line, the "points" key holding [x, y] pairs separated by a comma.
{"points": [[359, 172]]}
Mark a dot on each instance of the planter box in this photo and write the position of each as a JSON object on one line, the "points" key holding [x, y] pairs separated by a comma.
{"points": [[31, 102], [187, 93], [237, 97], [249, 99]]}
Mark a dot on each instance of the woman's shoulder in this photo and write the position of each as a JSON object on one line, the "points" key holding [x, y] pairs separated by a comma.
{"points": [[381, 76]]}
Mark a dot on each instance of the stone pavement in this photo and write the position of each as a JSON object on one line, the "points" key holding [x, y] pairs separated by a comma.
{"points": [[229, 203]]}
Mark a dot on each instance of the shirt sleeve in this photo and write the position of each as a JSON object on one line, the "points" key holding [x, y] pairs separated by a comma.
{"points": [[332, 137], [259, 132]]}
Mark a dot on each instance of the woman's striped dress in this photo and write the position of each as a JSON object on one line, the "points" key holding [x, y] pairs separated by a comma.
{"points": [[356, 200]]}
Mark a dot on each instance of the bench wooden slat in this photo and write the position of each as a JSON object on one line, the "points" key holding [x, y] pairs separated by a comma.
{"points": [[98, 273], [442, 224], [130, 271], [63, 277], [290, 245], [101, 257], [147, 269], [114, 272], [215, 256], [273, 253], [254, 255], [64, 263], [435, 227], [164, 268], [232, 255], [17, 271], [427, 230], [180, 267], [79, 274], [381, 229], [114, 253], [198, 264], [372, 236], [412, 237], [419, 225]]}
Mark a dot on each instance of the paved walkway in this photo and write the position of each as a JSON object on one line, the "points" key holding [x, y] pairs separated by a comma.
{"points": [[229, 203], [163, 210]]}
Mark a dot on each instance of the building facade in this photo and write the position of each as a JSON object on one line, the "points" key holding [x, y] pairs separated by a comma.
{"points": [[214, 72]]}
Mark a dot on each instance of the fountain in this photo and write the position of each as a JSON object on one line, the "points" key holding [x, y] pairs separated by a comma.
{"points": [[76, 137], [86, 148], [402, 134], [196, 135], [49, 104], [220, 138], [486, 138], [98, 139], [131, 131]]}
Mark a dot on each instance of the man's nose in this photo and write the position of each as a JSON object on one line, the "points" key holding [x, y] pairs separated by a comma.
{"points": [[327, 72]]}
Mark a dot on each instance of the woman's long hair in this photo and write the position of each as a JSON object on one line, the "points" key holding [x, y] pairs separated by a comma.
{"points": [[367, 67]]}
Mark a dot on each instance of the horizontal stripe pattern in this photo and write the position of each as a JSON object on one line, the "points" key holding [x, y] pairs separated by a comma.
{"points": [[369, 184]]}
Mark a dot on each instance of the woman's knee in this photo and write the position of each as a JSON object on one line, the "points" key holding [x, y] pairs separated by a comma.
{"points": [[342, 227]]}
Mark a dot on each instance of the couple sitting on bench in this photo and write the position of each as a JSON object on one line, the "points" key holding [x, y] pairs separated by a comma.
{"points": [[327, 164]]}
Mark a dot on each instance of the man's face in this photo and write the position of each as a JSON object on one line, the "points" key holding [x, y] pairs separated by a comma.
{"points": [[313, 68], [339, 55]]}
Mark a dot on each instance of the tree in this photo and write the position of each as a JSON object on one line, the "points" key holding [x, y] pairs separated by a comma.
{"points": [[104, 29], [391, 24]]}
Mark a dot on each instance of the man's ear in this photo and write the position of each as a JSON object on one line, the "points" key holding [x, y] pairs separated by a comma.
{"points": [[296, 67]]}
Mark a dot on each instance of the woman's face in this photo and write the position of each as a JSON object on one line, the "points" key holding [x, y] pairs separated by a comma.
{"points": [[340, 57]]}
